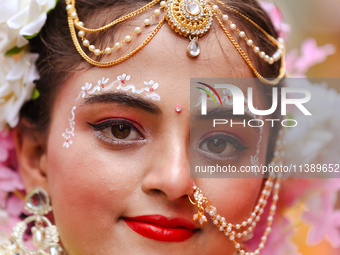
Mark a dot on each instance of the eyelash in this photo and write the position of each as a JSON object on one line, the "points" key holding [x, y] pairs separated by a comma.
{"points": [[100, 127], [228, 139]]}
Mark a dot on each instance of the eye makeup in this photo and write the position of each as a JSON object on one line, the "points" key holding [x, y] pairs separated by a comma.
{"points": [[119, 132], [221, 146], [104, 85]]}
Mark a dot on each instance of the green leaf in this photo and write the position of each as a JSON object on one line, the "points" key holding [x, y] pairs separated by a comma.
{"points": [[13, 51], [290, 123], [35, 94], [30, 36]]}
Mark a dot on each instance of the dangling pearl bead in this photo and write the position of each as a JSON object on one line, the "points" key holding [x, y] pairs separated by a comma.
{"points": [[128, 38], [92, 48], [108, 50], [242, 34], [163, 4], [81, 33], [138, 30], [232, 26], [157, 12], [69, 7], [74, 15], [97, 51], [80, 23], [146, 22], [38, 238], [117, 45], [86, 43], [225, 17], [256, 49], [250, 42], [215, 7]]}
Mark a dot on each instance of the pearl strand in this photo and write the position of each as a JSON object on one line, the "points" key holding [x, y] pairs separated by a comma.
{"points": [[269, 59], [220, 221], [228, 228], [108, 50]]}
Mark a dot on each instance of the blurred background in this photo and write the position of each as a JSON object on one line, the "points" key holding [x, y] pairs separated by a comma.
{"points": [[319, 19]]}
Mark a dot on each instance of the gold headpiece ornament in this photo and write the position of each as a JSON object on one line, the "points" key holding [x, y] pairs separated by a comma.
{"points": [[189, 18]]}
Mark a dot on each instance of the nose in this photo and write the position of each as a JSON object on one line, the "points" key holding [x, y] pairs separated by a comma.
{"points": [[170, 171]]}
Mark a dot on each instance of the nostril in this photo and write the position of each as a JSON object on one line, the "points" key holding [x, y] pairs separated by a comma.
{"points": [[157, 192]]}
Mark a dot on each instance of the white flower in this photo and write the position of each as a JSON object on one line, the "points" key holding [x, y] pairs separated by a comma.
{"points": [[316, 138], [16, 86], [20, 19]]}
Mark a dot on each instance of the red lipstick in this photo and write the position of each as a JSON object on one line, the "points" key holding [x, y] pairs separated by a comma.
{"points": [[160, 228]]}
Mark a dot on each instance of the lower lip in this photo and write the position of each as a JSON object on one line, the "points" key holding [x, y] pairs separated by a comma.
{"points": [[160, 233]]}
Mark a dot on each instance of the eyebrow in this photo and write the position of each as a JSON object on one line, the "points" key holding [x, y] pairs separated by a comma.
{"points": [[124, 99]]}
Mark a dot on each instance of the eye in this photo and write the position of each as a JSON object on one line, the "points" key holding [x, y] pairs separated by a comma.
{"points": [[117, 131], [123, 131], [222, 144]]}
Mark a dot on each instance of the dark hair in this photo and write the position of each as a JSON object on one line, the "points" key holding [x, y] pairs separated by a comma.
{"points": [[58, 58]]}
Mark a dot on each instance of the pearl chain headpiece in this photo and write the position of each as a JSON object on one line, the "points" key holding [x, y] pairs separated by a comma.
{"points": [[189, 18]]}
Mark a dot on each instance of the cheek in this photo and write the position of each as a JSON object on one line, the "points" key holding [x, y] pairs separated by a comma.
{"points": [[234, 199], [89, 187]]}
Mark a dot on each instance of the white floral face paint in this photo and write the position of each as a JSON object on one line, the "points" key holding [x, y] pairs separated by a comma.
{"points": [[69, 131], [104, 85]]}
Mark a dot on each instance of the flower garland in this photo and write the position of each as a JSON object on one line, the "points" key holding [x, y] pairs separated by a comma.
{"points": [[24, 19]]}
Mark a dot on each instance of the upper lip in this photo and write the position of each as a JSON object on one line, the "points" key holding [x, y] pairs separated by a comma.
{"points": [[162, 221]]}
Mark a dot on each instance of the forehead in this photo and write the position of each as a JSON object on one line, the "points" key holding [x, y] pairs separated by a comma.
{"points": [[165, 61]]}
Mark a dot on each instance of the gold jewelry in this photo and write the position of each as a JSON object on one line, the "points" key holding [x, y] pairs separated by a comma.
{"points": [[245, 228], [45, 235], [189, 18]]}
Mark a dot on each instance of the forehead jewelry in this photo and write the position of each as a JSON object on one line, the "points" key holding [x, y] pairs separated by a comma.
{"points": [[189, 18], [244, 229]]}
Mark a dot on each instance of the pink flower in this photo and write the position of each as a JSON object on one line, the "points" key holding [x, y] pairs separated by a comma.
{"points": [[311, 55], [324, 223], [275, 16], [279, 240], [15, 206], [6, 144], [10, 179]]}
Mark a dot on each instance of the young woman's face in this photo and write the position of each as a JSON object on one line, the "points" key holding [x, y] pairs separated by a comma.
{"points": [[122, 185]]}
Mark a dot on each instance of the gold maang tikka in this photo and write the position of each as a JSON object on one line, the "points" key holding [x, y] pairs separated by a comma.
{"points": [[189, 18]]}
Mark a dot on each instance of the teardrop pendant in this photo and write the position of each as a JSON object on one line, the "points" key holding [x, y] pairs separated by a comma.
{"points": [[193, 49]]}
